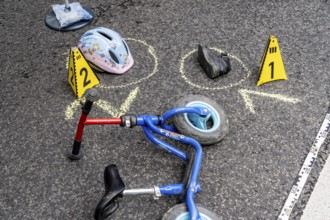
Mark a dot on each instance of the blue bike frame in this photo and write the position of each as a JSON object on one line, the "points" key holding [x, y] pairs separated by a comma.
{"points": [[148, 123], [154, 124]]}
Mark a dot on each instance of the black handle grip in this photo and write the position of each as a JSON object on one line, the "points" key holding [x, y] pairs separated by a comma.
{"points": [[92, 95]]}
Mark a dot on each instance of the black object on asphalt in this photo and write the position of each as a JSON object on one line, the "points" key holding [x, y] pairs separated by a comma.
{"points": [[213, 64], [114, 187]]}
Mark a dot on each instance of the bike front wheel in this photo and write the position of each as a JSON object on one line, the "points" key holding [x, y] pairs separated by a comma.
{"points": [[206, 130], [180, 212]]}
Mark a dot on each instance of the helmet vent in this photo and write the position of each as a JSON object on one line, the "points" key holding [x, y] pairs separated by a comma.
{"points": [[113, 56], [105, 35]]}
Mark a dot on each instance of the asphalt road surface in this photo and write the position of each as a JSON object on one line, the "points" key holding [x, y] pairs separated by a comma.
{"points": [[248, 175]]}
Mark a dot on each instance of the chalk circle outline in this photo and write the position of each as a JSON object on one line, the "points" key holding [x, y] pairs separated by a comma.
{"points": [[71, 108], [185, 78], [151, 51]]}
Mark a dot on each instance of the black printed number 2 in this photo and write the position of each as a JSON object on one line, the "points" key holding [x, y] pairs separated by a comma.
{"points": [[82, 72], [272, 70]]}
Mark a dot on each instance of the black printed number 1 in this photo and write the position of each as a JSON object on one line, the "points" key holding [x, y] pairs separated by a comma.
{"points": [[86, 82], [272, 70]]}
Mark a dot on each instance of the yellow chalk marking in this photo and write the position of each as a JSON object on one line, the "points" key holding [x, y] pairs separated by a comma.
{"points": [[249, 104], [70, 109], [183, 74], [106, 106], [67, 60], [151, 51], [123, 108]]}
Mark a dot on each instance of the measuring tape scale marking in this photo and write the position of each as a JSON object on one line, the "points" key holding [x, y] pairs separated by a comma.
{"points": [[304, 172]]}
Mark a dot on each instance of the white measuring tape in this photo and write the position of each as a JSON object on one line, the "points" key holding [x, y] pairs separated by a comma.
{"points": [[301, 179]]}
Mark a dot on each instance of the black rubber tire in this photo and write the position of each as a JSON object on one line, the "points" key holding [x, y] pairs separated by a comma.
{"points": [[179, 209], [204, 138]]}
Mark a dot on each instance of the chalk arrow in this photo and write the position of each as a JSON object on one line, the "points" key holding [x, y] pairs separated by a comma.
{"points": [[106, 106], [249, 104]]}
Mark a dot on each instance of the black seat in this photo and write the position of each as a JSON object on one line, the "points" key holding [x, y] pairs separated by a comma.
{"points": [[114, 187]]}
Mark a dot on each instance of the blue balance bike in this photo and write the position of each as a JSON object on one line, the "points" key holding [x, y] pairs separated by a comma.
{"points": [[197, 120]]}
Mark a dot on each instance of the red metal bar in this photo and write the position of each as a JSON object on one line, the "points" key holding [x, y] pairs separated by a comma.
{"points": [[103, 121], [80, 128]]}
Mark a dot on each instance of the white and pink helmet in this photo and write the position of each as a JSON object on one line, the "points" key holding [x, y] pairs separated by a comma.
{"points": [[106, 50]]}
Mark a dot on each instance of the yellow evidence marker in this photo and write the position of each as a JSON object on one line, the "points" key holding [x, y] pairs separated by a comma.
{"points": [[272, 67], [80, 75]]}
